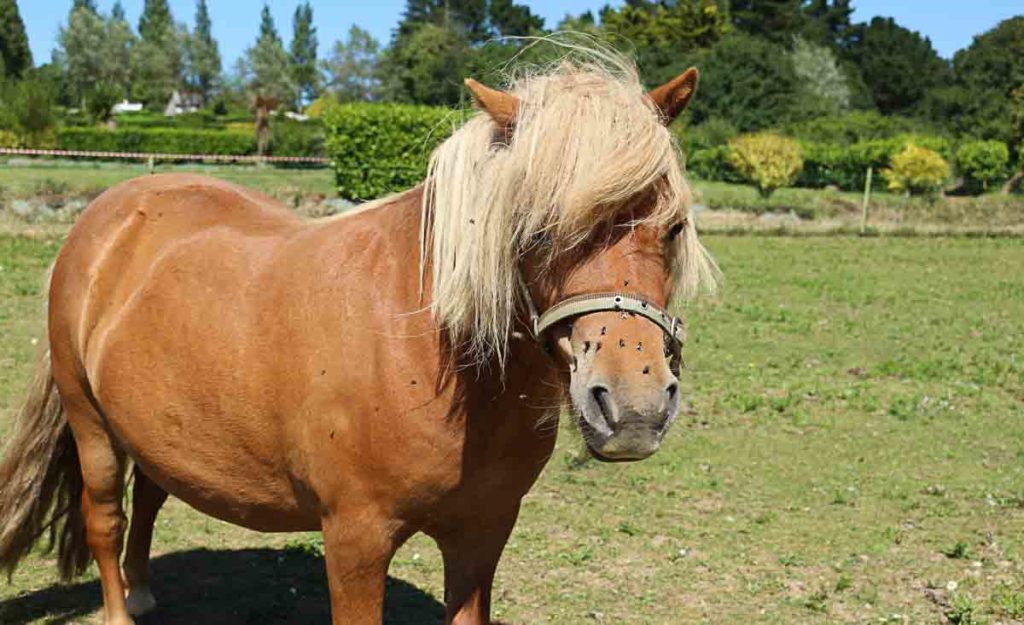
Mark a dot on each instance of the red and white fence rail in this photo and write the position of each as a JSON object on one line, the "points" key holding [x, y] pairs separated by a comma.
{"points": [[147, 156]]}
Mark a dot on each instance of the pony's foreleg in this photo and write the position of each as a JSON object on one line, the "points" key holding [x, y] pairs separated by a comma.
{"points": [[147, 498], [103, 467], [358, 550], [471, 555]]}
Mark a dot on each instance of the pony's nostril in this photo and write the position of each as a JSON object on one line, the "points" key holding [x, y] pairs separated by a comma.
{"points": [[603, 401], [672, 390]]}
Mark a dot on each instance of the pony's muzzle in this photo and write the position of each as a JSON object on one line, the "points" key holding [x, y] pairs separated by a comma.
{"points": [[618, 427]]}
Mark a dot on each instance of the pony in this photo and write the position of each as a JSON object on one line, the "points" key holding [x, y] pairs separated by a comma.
{"points": [[391, 371]]}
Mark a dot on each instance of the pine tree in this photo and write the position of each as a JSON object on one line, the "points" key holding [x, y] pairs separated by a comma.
{"points": [[89, 5], [777, 20], [510, 19], [118, 45], [202, 55], [268, 30], [156, 20], [266, 64], [14, 50], [303, 54], [157, 59]]}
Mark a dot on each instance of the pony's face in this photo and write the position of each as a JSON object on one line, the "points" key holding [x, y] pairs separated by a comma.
{"points": [[621, 385], [590, 226]]}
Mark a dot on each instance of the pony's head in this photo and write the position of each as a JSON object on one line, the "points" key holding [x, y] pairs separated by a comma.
{"points": [[568, 187]]}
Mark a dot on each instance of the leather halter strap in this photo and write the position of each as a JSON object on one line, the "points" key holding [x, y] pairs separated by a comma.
{"points": [[588, 303]]}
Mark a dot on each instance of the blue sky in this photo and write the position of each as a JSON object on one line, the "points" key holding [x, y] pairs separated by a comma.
{"points": [[951, 24]]}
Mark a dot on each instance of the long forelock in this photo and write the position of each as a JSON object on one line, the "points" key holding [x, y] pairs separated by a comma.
{"points": [[587, 144]]}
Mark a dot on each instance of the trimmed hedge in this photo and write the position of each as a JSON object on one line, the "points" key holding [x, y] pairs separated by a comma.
{"points": [[379, 149], [157, 140]]}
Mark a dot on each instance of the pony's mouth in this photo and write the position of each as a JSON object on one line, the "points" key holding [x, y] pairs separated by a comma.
{"points": [[597, 441]]}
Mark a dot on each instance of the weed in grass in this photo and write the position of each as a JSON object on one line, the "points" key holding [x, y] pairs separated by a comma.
{"points": [[959, 551], [844, 582], [579, 556], [627, 528], [962, 610], [818, 601], [1008, 601]]}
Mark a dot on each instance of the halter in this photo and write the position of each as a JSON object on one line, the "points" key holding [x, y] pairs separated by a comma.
{"points": [[588, 303]]}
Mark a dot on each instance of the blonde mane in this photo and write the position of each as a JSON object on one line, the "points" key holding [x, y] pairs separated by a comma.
{"points": [[585, 145]]}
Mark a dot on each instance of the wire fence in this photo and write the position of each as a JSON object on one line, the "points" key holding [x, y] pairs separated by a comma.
{"points": [[151, 156]]}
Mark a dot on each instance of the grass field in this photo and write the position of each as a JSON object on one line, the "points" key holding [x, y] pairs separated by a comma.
{"points": [[854, 453], [23, 177]]}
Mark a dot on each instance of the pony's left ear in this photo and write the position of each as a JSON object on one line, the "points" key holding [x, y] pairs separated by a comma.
{"points": [[672, 97], [502, 107]]}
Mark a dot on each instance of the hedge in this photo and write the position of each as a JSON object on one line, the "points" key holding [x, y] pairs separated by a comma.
{"points": [[379, 149], [825, 164], [157, 140]]}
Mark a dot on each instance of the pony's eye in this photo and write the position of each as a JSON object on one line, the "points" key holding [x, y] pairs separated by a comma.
{"points": [[674, 231]]}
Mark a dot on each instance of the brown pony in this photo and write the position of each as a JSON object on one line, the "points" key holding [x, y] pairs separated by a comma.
{"points": [[370, 376]]}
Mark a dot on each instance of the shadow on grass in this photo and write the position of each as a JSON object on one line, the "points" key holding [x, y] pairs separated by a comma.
{"points": [[203, 587]]}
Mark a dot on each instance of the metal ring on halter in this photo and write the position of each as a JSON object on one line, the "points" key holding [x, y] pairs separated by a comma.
{"points": [[586, 304]]}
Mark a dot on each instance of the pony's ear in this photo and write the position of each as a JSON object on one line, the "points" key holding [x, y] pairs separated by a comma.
{"points": [[672, 97], [502, 107]]}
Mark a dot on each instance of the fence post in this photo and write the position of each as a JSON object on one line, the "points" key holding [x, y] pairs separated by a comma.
{"points": [[867, 200]]}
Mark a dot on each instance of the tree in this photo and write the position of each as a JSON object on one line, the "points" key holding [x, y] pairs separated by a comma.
{"points": [[821, 79], [426, 67], [81, 52], [118, 45], [663, 30], [899, 66], [987, 73], [303, 55], [267, 68], [202, 57], [748, 81], [14, 50], [776, 20], [89, 5], [351, 70], [509, 19], [1016, 136], [828, 22], [157, 58]]}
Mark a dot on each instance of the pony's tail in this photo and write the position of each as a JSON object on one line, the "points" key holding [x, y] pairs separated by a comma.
{"points": [[41, 481]]}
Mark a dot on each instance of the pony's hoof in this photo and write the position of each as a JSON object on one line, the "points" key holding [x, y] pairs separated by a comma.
{"points": [[140, 601]]}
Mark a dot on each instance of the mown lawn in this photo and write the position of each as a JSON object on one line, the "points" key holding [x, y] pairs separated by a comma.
{"points": [[854, 453]]}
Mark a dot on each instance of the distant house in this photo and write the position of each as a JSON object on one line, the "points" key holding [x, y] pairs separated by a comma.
{"points": [[182, 103], [125, 106]]}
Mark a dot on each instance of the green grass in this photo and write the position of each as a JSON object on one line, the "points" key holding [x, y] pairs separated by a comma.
{"points": [[22, 177], [854, 453]]}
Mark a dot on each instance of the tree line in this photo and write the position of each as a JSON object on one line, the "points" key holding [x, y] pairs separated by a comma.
{"points": [[765, 63]]}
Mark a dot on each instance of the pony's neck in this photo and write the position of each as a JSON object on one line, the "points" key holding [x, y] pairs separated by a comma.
{"points": [[530, 378]]}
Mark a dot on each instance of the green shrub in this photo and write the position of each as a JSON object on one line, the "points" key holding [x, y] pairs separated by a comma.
{"points": [[712, 164], [293, 138], [849, 128], [766, 160], [982, 163], [382, 148], [157, 140], [846, 166], [917, 171]]}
